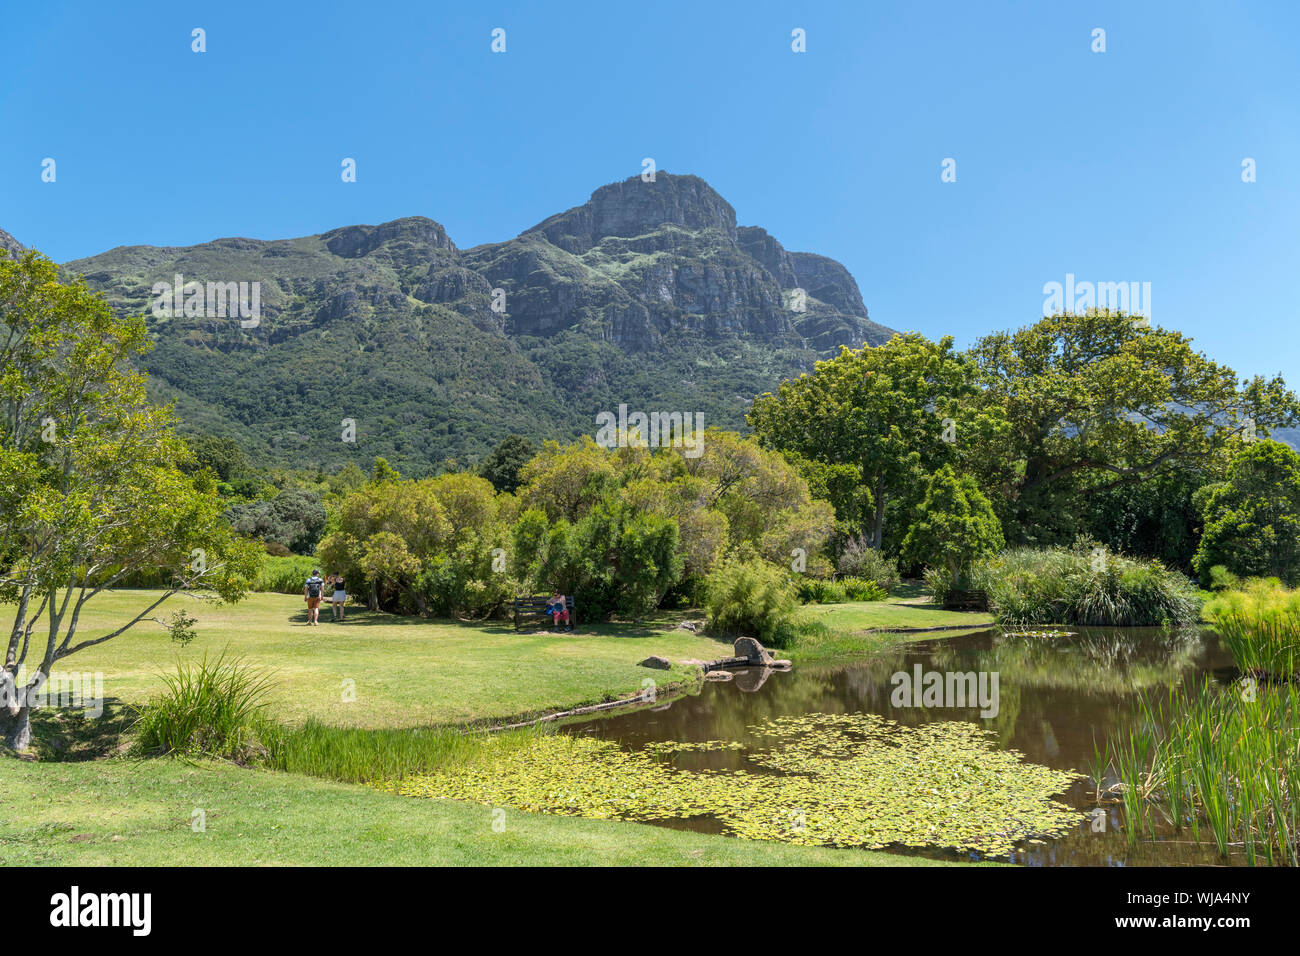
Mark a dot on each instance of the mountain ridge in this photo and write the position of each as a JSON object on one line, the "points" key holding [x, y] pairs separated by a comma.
{"points": [[649, 293]]}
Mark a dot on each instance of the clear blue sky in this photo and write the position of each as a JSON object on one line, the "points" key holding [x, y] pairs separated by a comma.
{"points": [[1115, 166]]}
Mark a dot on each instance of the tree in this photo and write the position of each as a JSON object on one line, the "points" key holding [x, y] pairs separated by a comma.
{"points": [[886, 411], [954, 525], [1252, 519], [93, 487], [294, 518], [501, 467], [388, 533], [1101, 400]]}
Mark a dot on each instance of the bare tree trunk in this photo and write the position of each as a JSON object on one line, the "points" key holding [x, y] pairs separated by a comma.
{"points": [[15, 714]]}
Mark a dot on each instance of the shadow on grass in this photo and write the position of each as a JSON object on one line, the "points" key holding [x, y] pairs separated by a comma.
{"points": [[652, 626], [67, 735]]}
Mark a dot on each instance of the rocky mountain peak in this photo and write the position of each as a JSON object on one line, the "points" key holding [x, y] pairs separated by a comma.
{"points": [[634, 208], [353, 242]]}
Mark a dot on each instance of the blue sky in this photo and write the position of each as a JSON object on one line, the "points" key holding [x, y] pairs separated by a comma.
{"points": [[1115, 166]]}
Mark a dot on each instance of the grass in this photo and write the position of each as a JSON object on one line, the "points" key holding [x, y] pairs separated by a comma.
{"points": [[121, 812], [1260, 626], [882, 616], [207, 707], [412, 680], [833, 631], [409, 672], [403, 671]]}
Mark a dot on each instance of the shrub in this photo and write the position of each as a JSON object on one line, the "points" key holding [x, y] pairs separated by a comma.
{"points": [[859, 560], [208, 709], [1084, 585], [1251, 521], [953, 526], [1221, 579], [294, 518], [284, 574], [818, 591], [749, 597], [858, 589]]}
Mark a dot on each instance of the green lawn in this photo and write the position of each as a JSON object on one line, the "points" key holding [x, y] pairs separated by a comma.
{"points": [[120, 812], [887, 615], [407, 671]]}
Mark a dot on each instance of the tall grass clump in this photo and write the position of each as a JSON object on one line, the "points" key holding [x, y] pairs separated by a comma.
{"points": [[208, 708], [752, 598], [354, 755], [1229, 762], [1260, 626], [1083, 585]]}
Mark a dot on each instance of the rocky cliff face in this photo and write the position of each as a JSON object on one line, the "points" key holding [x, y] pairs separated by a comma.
{"points": [[9, 243], [644, 262], [648, 293]]}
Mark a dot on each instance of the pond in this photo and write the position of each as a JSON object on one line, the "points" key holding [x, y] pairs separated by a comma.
{"points": [[1058, 696]]}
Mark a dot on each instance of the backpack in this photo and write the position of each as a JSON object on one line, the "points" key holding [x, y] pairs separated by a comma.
{"points": [[314, 586]]}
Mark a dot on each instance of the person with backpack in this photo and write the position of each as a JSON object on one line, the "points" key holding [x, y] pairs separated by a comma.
{"points": [[311, 593]]}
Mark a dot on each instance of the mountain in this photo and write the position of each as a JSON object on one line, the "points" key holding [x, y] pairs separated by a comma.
{"points": [[648, 294], [9, 243]]}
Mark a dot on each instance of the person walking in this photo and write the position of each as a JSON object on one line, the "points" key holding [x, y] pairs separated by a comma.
{"points": [[311, 593]]}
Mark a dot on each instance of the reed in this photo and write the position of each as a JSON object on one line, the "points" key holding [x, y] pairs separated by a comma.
{"points": [[1228, 760], [1260, 627]]}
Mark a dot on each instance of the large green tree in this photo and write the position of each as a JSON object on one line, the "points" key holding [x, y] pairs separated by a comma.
{"points": [[894, 413], [1101, 400], [1252, 518], [93, 486]]}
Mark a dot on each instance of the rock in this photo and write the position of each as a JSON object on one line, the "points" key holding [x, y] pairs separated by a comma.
{"points": [[10, 244], [752, 678], [752, 651], [659, 663], [719, 675]]}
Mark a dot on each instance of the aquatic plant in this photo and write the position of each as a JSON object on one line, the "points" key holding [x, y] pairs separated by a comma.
{"points": [[1260, 626], [1229, 760], [839, 780]]}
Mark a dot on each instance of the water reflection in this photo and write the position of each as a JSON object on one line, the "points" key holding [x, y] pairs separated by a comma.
{"points": [[1059, 697]]}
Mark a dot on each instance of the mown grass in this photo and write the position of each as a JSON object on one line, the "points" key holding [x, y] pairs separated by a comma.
{"points": [[121, 812], [383, 671], [885, 616]]}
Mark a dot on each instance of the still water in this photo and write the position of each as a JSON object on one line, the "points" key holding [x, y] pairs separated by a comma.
{"points": [[1058, 697]]}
